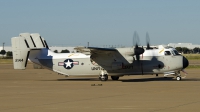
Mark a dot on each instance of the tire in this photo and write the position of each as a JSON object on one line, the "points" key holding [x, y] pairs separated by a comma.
{"points": [[178, 78], [105, 78], [114, 77]]}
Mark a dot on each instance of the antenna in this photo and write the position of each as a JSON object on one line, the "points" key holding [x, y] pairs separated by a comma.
{"points": [[3, 45], [88, 44]]}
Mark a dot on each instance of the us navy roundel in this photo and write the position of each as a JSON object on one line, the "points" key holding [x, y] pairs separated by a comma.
{"points": [[68, 63]]}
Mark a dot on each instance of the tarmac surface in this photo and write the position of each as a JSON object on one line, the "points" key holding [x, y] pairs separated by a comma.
{"points": [[41, 90]]}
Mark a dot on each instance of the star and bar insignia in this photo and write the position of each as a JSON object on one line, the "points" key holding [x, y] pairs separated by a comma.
{"points": [[68, 63]]}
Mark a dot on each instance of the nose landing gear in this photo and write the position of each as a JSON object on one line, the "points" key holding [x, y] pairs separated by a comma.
{"points": [[178, 78]]}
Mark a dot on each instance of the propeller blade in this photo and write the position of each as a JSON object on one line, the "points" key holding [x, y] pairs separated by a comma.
{"points": [[137, 50], [138, 58], [148, 41], [136, 40]]}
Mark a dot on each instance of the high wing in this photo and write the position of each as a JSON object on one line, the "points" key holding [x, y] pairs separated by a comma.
{"points": [[111, 58]]}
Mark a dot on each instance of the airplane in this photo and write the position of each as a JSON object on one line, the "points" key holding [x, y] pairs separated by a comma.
{"points": [[102, 62]]}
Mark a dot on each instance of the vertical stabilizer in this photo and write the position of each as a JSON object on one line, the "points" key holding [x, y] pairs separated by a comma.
{"points": [[38, 40], [23, 45], [20, 48]]}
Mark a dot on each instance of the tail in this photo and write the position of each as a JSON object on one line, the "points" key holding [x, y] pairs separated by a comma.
{"points": [[22, 45]]}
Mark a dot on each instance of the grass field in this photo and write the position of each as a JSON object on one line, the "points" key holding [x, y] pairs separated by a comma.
{"points": [[192, 56], [193, 67], [6, 61]]}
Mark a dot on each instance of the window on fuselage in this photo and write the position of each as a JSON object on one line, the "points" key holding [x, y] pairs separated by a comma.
{"points": [[167, 53], [176, 52]]}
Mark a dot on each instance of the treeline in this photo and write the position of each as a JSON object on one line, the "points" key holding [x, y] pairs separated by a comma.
{"points": [[183, 50], [186, 50], [10, 54], [63, 51]]}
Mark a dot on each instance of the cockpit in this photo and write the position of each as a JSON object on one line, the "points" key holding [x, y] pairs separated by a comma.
{"points": [[171, 51], [167, 53], [175, 52]]}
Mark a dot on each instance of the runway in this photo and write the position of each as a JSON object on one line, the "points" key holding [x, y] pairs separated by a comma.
{"points": [[42, 90]]}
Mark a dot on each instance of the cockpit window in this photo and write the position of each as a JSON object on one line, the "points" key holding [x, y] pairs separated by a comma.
{"points": [[167, 53], [176, 52]]}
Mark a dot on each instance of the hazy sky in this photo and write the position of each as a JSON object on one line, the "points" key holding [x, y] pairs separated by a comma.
{"points": [[101, 22]]}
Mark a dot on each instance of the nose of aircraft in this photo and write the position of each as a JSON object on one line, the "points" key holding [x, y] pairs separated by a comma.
{"points": [[185, 62]]}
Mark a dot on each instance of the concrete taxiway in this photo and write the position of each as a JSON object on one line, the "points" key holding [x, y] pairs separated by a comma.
{"points": [[42, 90]]}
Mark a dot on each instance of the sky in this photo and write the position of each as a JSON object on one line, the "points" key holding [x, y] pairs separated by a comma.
{"points": [[102, 23]]}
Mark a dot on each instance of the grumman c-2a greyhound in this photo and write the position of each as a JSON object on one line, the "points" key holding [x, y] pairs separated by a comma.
{"points": [[102, 62]]}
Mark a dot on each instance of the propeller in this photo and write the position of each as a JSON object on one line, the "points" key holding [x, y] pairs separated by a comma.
{"points": [[137, 50], [148, 41]]}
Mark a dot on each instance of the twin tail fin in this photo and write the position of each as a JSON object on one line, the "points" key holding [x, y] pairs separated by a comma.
{"points": [[22, 45]]}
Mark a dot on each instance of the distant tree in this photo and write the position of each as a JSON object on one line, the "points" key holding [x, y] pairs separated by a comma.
{"points": [[196, 50], [179, 49], [185, 50], [3, 52], [56, 51], [191, 51], [65, 51], [9, 54]]}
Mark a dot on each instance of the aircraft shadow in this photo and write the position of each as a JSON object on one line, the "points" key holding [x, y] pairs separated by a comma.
{"points": [[127, 80], [74, 79], [132, 80], [191, 79], [158, 79], [122, 80], [148, 79], [79, 79]]}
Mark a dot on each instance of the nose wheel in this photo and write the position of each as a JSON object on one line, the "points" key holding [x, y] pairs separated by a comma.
{"points": [[178, 78]]}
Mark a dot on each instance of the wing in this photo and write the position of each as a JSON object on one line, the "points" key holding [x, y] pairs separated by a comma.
{"points": [[108, 58]]}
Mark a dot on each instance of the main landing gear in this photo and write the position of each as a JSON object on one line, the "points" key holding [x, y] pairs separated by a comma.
{"points": [[103, 76], [114, 77]]}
